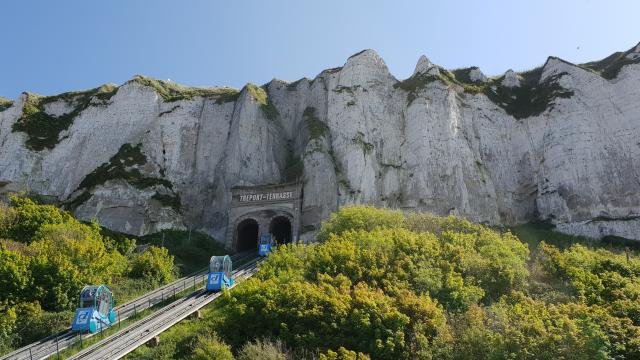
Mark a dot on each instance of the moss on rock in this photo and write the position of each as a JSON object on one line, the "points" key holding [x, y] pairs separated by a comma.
{"points": [[261, 96], [169, 200], [42, 129], [5, 103], [359, 140], [610, 67], [170, 91], [123, 165], [317, 128], [531, 98]]}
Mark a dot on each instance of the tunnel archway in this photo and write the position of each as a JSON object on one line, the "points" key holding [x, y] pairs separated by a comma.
{"points": [[281, 229], [247, 238]]}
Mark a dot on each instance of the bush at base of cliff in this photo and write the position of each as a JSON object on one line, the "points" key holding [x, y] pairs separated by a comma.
{"points": [[155, 264]]}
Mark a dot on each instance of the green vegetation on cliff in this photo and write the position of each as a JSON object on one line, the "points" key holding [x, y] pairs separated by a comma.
{"points": [[42, 129], [317, 128], [125, 165], [5, 103], [610, 67], [170, 91], [531, 98], [261, 96], [384, 285]]}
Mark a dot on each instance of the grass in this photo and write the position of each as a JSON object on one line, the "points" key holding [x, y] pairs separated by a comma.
{"points": [[462, 75], [42, 129], [191, 253], [417, 83], [531, 98], [170, 91], [123, 165], [610, 67], [262, 98], [5, 103]]}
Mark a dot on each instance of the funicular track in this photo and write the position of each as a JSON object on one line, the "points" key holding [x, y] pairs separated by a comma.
{"points": [[123, 342], [52, 345]]}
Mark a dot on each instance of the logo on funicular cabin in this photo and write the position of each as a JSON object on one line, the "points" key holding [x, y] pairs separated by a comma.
{"points": [[285, 195]]}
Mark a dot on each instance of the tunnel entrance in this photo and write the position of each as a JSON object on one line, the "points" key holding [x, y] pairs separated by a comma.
{"points": [[281, 229], [247, 235]]}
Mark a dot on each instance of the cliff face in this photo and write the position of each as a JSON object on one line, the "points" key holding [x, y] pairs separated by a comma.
{"points": [[558, 143]]}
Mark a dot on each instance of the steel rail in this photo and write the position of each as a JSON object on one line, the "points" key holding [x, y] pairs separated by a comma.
{"points": [[55, 343], [120, 344]]}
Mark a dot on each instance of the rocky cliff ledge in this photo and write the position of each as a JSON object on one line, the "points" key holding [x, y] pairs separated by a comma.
{"points": [[559, 143]]}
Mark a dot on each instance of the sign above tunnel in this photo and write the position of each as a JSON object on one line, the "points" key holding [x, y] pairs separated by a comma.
{"points": [[244, 196], [270, 208], [274, 196]]}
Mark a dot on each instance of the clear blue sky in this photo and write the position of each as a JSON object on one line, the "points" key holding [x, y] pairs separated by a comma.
{"points": [[53, 46]]}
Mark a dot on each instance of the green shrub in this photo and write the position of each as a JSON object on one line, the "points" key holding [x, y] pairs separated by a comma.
{"points": [[123, 165], [29, 217], [14, 275], [191, 251], [519, 327], [610, 67], [343, 354], [170, 91], [155, 264], [209, 346], [317, 128], [359, 218], [5, 103], [263, 350], [43, 130], [261, 96]]}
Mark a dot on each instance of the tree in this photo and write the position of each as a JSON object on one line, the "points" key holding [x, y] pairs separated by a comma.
{"points": [[14, 275], [209, 346], [523, 328], [343, 354], [155, 264], [8, 217], [359, 218], [29, 217]]}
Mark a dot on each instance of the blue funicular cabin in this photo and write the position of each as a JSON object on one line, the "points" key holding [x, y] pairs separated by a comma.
{"points": [[219, 273], [95, 311], [266, 244]]}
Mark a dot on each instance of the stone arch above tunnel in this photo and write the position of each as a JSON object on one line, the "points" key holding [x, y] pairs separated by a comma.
{"points": [[272, 208]]}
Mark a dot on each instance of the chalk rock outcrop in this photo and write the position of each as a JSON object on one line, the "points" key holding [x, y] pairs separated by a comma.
{"points": [[476, 75], [510, 79], [558, 143]]}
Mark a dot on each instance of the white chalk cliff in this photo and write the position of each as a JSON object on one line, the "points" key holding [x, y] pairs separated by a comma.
{"points": [[560, 143]]}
